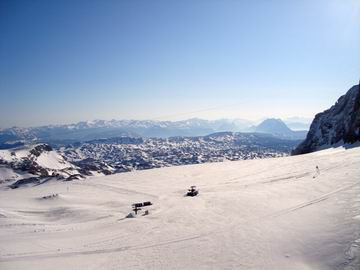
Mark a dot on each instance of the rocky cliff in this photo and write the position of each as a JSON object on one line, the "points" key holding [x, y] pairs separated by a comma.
{"points": [[337, 125]]}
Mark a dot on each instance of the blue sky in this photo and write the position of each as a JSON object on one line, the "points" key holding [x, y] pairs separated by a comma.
{"points": [[66, 61]]}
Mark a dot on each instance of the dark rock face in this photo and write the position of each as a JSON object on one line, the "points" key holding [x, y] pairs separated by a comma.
{"points": [[22, 182], [339, 124], [37, 150], [89, 164]]}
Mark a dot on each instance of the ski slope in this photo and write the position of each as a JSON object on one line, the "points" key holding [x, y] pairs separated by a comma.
{"points": [[258, 214]]}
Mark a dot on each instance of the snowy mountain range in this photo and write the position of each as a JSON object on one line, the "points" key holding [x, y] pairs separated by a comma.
{"points": [[106, 147], [102, 129]]}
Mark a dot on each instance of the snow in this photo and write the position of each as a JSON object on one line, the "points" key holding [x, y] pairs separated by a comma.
{"points": [[5, 155], [253, 214], [14, 154], [47, 159], [52, 160], [7, 173], [12, 160]]}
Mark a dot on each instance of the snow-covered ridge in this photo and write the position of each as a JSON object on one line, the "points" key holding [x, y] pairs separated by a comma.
{"points": [[339, 124], [100, 129], [33, 162], [42, 154]]}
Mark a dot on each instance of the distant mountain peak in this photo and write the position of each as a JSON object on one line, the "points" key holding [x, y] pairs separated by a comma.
{"points": [[273, 125], [278, 128]]}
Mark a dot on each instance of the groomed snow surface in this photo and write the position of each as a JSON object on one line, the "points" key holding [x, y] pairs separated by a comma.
{"points": [[256, 214]]}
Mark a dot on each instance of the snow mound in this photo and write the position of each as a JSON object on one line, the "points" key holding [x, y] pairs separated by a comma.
{"points": [[130, 215]]}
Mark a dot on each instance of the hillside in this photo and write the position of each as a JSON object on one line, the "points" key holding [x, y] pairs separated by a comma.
{"points": [[275, 213], [32, 163]]}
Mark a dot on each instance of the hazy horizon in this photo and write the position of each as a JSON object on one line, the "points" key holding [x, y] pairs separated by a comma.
{"points": [[70, 61], [294, 119]]}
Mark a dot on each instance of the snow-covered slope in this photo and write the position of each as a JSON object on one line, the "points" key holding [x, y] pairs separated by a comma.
{"points": [[278, 213], [41, 154], [337, 125], [32, 161]]}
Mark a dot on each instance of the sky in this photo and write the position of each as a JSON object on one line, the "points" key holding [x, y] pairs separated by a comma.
{"points": [[70, 60]]}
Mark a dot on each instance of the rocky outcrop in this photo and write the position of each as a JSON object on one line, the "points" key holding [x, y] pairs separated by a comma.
{"points": [[338, 125], [40, 148], [28, 163]]}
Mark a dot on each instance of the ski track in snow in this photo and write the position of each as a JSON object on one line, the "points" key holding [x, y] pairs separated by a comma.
{"points": [[314, 201]]}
